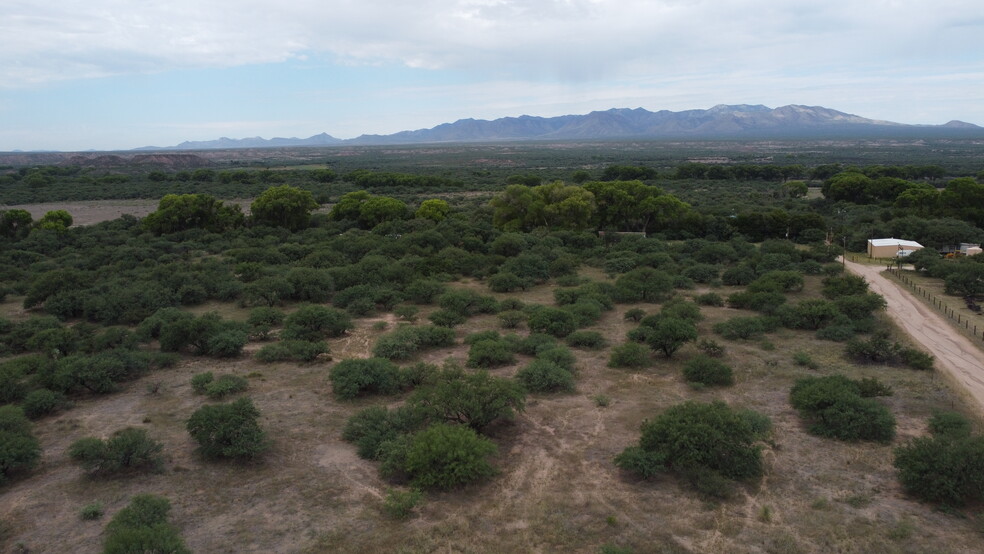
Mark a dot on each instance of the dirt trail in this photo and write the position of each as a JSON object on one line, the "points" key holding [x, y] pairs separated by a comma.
{"points": [[955, 354]]}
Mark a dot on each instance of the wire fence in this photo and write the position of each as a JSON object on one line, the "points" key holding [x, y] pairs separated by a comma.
{"points": [[961, 320]]}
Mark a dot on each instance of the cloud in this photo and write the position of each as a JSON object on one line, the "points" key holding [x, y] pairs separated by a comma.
{"points": [[572, 40]]}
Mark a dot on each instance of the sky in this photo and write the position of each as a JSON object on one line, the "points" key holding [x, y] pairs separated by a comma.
{"points": [[121, 74]]}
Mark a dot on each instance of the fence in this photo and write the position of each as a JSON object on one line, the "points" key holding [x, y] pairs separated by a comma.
{"points": [[940, 305]]}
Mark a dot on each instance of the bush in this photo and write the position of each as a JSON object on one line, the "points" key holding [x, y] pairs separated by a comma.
{"points": [[635, 314], [545, 376], [507, 282], [592, 340], [742, 327], [92, 511], [473, 399], [710, 348], [400, 504], [228, 430], [370, 429], [669, 334], [313, 323], [447, 318], [225, 385], [292, 350], [535, 342], [709, 299], [950, 425], [19, 450], [643, 284], [708, 371], [702, 442], [511, 319], [445, 456], [944, 469], [261, 320], [406, 341], [142, 527], [834, 407], [200, 381], [490, 353], [560, 355], [128, 449], [357, 377], [552, 321], [41, 402], [631, 355]]}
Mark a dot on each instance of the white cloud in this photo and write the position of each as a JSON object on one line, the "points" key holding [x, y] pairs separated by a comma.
{"points": [[576, 40]]}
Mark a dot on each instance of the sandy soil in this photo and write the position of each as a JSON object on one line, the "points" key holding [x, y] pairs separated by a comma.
{"points": [[955, 354]]}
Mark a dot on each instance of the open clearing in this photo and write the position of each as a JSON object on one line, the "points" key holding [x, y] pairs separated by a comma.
{"points": [[557, 491]]}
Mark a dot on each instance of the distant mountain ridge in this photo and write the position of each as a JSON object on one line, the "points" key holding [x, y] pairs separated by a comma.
{"points": [[719, 122]]}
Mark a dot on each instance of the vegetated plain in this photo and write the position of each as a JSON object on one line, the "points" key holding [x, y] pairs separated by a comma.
{"points": [[556, 486]]}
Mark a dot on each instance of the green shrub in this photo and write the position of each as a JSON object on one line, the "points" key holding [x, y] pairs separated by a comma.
{"points": [[490, 353], [356, 377], [668, 334], [445, 456], [20, 450], [447, 318], [943, 469], [474, 399], [263, 319], [92, 511], [507, 282], [225, 385], [406, 341], [635, 314], [535, 342], [371, 428], [710, 348], [709, 299], [292, 350], [228, 430], [708, 371], [552, 321], [704, 443], [313, 323], [560, 355], [200, 381], [592, 340], [143, 527], [742, 327], [545, 376], [834, 407], [950, 425], [400, 504], [631, 355], [803, 359], [916, 359], [41, 402], [511, 319], [128, 449], [406, 312]]}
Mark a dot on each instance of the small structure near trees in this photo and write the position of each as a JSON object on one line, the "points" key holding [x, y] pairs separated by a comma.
{"points": [[891, 248]]}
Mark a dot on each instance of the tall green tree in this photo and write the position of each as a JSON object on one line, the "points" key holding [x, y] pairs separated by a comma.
{"points": [[284, 206], [179, 212]]}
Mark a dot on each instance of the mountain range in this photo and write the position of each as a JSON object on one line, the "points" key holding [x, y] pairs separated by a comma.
{"points": [[720, 122]]}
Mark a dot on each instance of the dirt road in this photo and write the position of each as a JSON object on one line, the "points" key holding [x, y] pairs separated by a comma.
{"points": [[955, 354]]}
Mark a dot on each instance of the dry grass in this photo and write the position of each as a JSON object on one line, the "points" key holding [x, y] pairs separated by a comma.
{"points": [[557, 489]]}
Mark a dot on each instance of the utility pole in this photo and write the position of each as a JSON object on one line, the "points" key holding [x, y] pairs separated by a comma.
{"points": [[844, 252]]}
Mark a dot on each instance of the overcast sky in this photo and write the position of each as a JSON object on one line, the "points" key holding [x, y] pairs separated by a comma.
{"points": [[119, 74]]}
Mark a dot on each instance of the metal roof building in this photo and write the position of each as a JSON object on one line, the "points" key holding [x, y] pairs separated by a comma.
{"points": [[891, 248]]}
